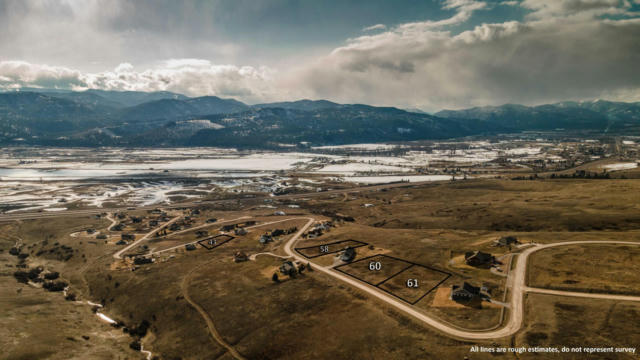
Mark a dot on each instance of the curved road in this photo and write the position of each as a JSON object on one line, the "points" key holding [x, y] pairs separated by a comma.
{"points": [[518, 290]]}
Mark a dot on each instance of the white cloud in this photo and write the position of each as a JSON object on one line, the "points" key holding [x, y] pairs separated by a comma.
{"points": [[562, 50], [544, 59], [188, 76], [546, 9], [375, 27]]}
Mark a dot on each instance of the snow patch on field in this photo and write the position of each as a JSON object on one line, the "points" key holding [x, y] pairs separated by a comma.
{"points": [[352, 168], [621, 166]]}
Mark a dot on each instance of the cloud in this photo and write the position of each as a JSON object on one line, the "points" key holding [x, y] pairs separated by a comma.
{"points": [[464, 9], [194, 77], [560, 50], [543, 59], [375, 27], [546, 9]]}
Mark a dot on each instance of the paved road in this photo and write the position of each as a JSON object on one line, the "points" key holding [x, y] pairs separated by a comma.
{"points": [[518, 290]]}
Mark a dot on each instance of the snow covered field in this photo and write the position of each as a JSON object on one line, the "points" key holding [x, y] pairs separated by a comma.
{"points": [[58, 178], [621, 166]]}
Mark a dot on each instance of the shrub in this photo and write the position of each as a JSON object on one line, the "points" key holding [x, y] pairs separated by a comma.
{"points": [[135, 345], [52, 275], [55, 285], [21, 276]]}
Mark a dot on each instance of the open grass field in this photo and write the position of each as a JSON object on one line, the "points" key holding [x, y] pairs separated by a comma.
{"points": [[601, 268], [577, 322]]}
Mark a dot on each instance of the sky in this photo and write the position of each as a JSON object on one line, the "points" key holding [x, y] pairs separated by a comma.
{"points": [[417, 54]]}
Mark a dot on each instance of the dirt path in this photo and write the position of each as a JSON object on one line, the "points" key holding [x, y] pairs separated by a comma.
{"points": [[212, 329], [253, 257]]}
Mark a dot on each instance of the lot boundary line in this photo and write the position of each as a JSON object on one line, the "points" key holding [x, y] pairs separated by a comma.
{"points": [[411, 264], [360, 244]]}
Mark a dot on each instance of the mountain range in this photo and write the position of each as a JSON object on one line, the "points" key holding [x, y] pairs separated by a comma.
{"points": [[131, 118]]}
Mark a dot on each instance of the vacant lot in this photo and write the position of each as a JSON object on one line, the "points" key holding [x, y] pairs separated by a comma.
{"points": [[576, 322], [587, 268], [412, 284]]}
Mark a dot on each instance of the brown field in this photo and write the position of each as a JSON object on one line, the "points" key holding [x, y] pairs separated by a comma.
{"points": [[587, 268], [413, 283], [575, 322], [388, 267], [316, 250], [313, 315]]}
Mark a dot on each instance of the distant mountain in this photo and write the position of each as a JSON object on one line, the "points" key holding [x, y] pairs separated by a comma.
{"points": [[103, 118], [172, 109], [305, 105], [86, 98], [28, 114], [414, 110], [133, 98], [593, 115], [340, 125], [107, 98]]}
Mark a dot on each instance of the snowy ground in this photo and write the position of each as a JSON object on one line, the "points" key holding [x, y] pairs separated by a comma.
{"points": [[56, 178], [621, 166]]}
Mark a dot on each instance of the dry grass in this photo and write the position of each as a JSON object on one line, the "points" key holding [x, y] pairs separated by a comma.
{"points": [[587, 268], [576, 322], [313, 316]]}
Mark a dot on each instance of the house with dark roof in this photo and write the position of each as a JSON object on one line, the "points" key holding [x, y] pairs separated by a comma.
{"points": [[478, 258], [288, 268], [266, 238], [507, 240], [348, 254], [228, 227], [468, 292], [141, 260]]}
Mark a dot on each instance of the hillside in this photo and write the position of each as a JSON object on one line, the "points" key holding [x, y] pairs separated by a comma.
{"points": [[101, 118], [592, 115]]}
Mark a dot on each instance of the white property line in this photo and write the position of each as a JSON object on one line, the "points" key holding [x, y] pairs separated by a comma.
{"points": [[516, 304]]}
